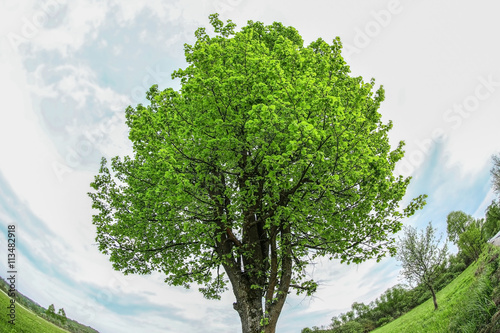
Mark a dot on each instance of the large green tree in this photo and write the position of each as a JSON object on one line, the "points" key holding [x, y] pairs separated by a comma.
{"points": [[269, 156]]}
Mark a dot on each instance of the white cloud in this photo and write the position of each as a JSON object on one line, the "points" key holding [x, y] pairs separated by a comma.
{"points": [[480, 211], [168, 11]]}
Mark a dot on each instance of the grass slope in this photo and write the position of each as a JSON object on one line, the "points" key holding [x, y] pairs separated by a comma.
{"points": [[26, 321], [38, 311], [451, 300]]}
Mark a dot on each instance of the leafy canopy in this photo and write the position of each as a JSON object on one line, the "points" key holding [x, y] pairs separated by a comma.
{"points": [[421, 256], [492, 223], [457, 223], [269, 156], [467, 233]]}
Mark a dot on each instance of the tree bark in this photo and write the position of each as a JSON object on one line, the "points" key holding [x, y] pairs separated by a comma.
{"points": [[250, 310], [248, 301], [434, 298], [274, 309]]}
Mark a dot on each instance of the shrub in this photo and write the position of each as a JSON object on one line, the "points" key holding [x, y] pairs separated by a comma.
{"points": [[350, 327], [384, 320]]}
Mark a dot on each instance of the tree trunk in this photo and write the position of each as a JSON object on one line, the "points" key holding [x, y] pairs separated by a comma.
{"points": [[249, 301], [249, 307], [251, 315], [271, 325], [434, 298], [249, 276]]}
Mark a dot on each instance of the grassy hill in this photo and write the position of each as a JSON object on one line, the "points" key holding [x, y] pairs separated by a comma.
{"points": [[29, 317], [424, 318], [470, 303], [26, 321]]}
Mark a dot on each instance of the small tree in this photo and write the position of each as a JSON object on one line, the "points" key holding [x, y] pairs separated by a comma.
{"points": [[421, 257], [456, 224], [62, 315], [471, 242], [466, 232], [491, 225], [51, 311]]}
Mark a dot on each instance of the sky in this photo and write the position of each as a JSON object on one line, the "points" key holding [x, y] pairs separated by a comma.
{"points": [[68, 70]]}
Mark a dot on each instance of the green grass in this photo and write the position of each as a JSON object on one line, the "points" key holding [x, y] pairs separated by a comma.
{"points": [[424, 318], [26, 321], [451, 301]]}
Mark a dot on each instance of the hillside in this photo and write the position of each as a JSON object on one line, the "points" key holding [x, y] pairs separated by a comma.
{"points": [[29, 317], [468, 304], [26, 321]]}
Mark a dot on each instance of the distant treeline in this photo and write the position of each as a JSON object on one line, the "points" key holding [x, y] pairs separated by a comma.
{"points": [[58, 319]]}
